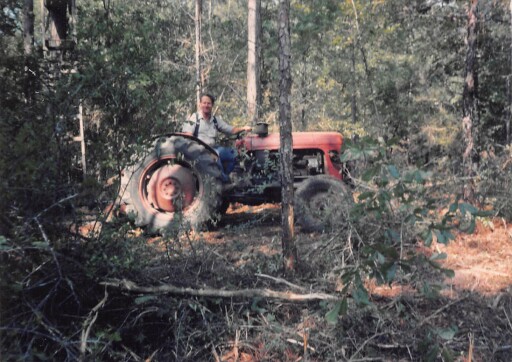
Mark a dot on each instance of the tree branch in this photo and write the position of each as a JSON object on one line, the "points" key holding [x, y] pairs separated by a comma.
{"points": [[209, 292]]}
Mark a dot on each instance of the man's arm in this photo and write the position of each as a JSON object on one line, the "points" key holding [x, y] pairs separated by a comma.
{"points": [[237, 130]]}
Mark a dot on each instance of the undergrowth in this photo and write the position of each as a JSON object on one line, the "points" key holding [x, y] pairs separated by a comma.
{"points": [[55, 304]]}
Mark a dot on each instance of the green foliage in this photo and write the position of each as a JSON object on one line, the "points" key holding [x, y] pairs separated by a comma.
{"points": [[340, 308], [495, 181], [433, 346], [403, 207]]}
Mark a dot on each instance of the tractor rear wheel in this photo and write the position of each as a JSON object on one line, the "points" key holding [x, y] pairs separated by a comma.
{"points": [[322, 202], [178, 180]]}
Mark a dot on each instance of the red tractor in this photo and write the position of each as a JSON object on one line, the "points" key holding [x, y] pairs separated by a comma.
{"points": [[180, 178]]}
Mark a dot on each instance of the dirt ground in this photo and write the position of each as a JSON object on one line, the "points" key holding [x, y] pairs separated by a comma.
{"points": [[477, 302]]}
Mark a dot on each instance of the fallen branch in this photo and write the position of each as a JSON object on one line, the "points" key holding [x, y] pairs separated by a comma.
{"points": [[218, 293], [87, 325]]}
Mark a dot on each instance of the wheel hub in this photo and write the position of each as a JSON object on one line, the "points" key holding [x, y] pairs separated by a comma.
{"points": [[171, 188]]}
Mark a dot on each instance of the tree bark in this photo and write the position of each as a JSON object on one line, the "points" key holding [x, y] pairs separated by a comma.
{"points": [[353, 99], [28, 47], [304, 91], [199, 72], [470, 120], [253, 60], [509, 91], [28, 27], [286, 147]]}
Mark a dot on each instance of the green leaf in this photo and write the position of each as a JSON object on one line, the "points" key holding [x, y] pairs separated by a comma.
{"points": [[443, 236], [470, 229], [448, 272], [340, 308], [391, 272], [351, 154], [114, 337], [411, 219], [430, 291], [448, 235], [438, 256], [467, 208], [387, 250], [381, 259], [255, 307], [40, 244], [446, 333], [144, 299], [360, 295], [393, 171], [483, 213], [427, 237], [365, 195], [4, 243], [453, 207], [370, 173], [392, 235]]}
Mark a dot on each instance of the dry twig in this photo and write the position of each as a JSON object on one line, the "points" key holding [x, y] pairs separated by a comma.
{"points": [[426, 319], [280, 280]]}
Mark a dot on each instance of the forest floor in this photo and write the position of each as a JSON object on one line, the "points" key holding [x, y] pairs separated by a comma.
{"points": [[470, 319], [423, 316]]}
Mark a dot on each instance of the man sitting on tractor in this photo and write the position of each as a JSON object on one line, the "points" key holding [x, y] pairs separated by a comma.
{"points": [[206, 126]]}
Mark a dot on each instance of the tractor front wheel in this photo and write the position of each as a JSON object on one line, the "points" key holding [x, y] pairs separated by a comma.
{"points": [[178, 180], [322, 202]]}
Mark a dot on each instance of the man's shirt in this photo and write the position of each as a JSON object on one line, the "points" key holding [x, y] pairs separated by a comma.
{"points": [[207, 130]]}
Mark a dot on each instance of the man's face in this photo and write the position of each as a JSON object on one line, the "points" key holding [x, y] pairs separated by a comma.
{"points": [[206, 106]]}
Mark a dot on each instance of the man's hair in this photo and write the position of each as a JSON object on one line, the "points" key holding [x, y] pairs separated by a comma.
{"points": [[212, 98]]}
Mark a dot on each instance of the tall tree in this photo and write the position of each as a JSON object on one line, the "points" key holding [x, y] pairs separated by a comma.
{"points": [[285, 128], [509, 90], [28, 47], [253, 60], [199, 72], [28, 27], [470, 121]]}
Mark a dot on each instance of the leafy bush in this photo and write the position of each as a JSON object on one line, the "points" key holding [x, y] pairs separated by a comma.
{"points": [[395, 209]]}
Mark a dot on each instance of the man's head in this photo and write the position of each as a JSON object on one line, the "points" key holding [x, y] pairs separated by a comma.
{"points": [[206, 104]]}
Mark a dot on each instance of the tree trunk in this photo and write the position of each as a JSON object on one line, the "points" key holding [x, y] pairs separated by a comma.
{"points": [[199, 72], [353, 99], [285, 128], [28, 27], [304, 92], [509, 91], [253, 61], [470, 121], [28, 47], [357, 43]]}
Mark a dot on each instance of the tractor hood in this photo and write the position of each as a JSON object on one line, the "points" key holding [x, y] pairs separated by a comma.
{"points": [[301, 140]]}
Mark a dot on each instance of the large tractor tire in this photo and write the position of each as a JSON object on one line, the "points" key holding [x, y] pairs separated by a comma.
{"points": [[179, 180], [321, 203]]}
